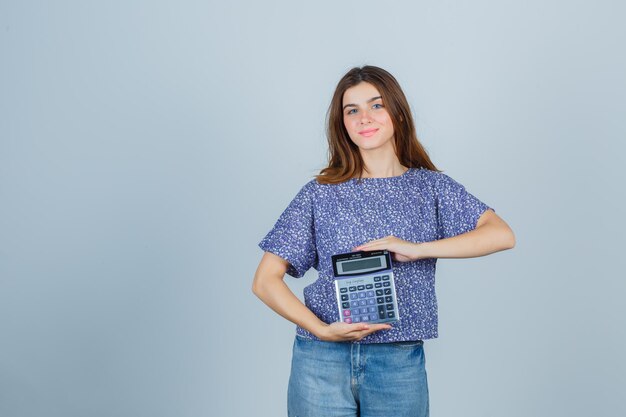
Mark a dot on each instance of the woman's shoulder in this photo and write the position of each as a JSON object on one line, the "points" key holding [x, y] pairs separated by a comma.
{"points": [[315, 184], [431, 176], [427, 180], [419, 174], [310, 188], [427, 173]]}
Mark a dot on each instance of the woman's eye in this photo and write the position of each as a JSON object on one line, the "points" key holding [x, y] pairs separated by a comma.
{"points": [[351, 111], [377, 106]]}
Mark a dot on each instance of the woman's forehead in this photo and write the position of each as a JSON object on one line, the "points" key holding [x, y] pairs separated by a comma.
{"points": [[360, 93]]}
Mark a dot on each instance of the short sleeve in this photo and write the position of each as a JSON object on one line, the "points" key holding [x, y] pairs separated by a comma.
{"points": [[458, 210], [293, 235]]}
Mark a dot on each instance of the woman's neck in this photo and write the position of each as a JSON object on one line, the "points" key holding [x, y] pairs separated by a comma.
{"points": [[381, 162], [384, 170]]}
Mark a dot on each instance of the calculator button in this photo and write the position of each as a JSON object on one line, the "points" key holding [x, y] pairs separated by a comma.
{"points": [[344, 297], [369, 286], [388, 299], [380, 300], [379, 292], [354, 296], [372, 309], [343, 290], [386, 284], [362, 302], [391, 314], [381, 315], [360, 287], [364, 310], [347, 313], [371, 301], [361, 294], [348, 320], [389, 306], [385, 277], [387, 291], [345, 305], [376, 279], [378, 285], [356, 319], [370, 293], [352, 289], [354, 304], [365, 318]]}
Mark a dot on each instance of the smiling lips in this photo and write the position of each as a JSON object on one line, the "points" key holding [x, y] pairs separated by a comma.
{"points": [[368, 132]]}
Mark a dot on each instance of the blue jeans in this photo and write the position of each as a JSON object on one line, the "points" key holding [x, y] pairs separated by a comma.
{"points": [[331, 379]]}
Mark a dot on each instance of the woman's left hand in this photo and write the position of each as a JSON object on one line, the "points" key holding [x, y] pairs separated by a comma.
{"points": [[401, 250]]}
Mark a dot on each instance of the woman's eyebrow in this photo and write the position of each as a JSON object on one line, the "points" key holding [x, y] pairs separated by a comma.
{"points": [[368, 101]]}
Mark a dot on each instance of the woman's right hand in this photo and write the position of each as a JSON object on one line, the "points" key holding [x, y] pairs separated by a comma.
{"points": [[344, 332]]}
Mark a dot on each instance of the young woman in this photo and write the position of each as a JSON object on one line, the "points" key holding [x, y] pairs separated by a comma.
{"points": [[380, 190]]}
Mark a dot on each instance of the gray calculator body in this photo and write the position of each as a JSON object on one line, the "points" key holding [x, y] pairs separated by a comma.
{"points": [[365, 287]]}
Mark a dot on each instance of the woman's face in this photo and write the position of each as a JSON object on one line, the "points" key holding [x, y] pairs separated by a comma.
{"points": [[364, 115]]}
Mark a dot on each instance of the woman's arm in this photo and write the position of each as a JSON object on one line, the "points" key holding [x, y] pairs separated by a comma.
{"points": [[491, 234], [270, 287]]}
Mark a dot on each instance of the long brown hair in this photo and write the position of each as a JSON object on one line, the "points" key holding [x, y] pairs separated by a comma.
{"points": [[344, 159]]}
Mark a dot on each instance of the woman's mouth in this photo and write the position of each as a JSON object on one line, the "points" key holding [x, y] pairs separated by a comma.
{"points": [[368, 132]]}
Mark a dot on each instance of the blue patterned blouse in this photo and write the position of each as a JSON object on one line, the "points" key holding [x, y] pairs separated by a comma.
{"points": [[326, 219]]}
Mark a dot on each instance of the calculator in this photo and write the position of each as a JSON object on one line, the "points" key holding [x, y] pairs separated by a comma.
{"points": [[365, 288]]}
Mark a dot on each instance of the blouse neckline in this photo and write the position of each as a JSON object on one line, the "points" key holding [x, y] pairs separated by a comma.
{"points": [[383, 179]]}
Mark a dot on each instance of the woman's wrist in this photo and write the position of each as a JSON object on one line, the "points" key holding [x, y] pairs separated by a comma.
{"points": [[422, 250], [320, 330]]}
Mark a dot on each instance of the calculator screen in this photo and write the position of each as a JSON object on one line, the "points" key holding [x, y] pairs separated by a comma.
{"points": [[362, 265]]}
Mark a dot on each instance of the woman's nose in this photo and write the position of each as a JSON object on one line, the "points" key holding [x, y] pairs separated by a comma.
{"points": [[365, 117]]}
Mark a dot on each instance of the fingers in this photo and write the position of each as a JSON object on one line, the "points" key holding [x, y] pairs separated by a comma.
{"points": [[376, 328], [362, 331], [366, 333], [372, 245], [341, 331], [357, 328], [382, 243]]}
